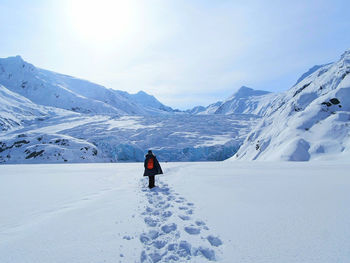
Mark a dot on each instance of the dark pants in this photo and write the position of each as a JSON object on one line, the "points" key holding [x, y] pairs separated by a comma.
{"points": [[151, 181]]}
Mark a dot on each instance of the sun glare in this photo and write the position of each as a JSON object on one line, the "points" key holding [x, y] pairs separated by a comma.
{"points": [[102, 20]]}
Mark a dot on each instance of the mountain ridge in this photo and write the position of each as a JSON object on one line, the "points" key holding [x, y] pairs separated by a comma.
{"points": [[244, 101], [54, 89]]}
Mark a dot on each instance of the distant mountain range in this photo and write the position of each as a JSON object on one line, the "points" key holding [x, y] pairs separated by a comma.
{"points": [[244, 101], [51, 117]]}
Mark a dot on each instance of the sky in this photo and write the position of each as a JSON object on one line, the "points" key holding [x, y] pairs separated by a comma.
{"points": [[184, 52]]}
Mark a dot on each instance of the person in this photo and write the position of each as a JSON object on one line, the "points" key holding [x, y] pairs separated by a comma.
{"points": [[152, 167]]}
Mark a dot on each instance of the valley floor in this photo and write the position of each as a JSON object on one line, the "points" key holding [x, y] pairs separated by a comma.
{"points": [[219, 211]]}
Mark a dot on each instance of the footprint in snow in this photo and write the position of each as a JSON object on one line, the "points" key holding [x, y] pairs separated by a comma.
{"points": [[168, 219], [192, 230]]}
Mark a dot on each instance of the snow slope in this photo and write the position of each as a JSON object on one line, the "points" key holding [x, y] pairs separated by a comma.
{"points": [[48, 88], [310, 71], [227, 212], [248, 101], [17, 110], [309, 121], [148, 101]]}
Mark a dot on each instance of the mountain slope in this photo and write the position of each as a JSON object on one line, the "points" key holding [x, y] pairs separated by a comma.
{"points": [[57, 90], [310, 71], [17, 110], [149, 103], [310, 121], [244, 101], [47, 88]]}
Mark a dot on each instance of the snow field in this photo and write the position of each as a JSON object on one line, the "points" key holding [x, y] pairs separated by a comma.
{"points": [[273, 211], [69, 213], [200, 212]]}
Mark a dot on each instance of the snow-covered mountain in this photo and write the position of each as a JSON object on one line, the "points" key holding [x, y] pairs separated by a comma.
{"points": [[50, 117], [309, 121], [48, 88], [148, 101], [149, 104], [196, 110], [244, 101]]}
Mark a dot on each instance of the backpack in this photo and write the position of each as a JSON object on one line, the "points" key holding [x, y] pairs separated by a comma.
{"points": [[150, 163]]}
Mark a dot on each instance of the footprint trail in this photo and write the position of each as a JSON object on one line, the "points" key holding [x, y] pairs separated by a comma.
{"points": [[172, 231]]}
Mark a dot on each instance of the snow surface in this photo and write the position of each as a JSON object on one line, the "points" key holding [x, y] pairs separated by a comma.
{"points": [[309, 121], [200, 212], [310, 71]]}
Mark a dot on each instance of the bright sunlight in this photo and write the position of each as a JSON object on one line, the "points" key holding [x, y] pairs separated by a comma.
{"points": [[102, 20]]}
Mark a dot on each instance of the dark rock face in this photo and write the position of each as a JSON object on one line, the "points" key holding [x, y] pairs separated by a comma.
{"points": [[328, 104], [334, 101]]}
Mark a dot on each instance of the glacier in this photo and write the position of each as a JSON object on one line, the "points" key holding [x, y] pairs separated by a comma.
{"points": [[115, 139]]}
